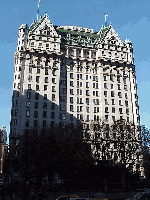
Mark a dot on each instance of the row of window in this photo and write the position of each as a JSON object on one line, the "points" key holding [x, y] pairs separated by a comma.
{"points": [[80, 109], [113, 94], [36, 114], [114, 118], [119, 86], [79, 69], [44, 124], [46, 71], [113, 110], [112, 78], [38, 88], [37, 96], [36, 105], [113, 102]]}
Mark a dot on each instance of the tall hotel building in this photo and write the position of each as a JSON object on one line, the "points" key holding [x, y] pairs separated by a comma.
{"points": [[66, 74]]}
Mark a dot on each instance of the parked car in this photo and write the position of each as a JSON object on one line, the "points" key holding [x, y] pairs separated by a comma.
{"points": [[67, 197]]}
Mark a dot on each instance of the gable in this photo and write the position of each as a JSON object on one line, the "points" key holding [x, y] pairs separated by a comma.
{"points": [[112, 37], [43, 26]]}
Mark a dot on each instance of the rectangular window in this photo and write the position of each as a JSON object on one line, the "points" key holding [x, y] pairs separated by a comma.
{"points": [[17, 94], [53, 80], [71, 117], [71, 91], [86, 77], [53, 88], [27, 113], [45, 87], [113, 110], [112, 86], [125, 87], [45, 114], [46, 70], [37, 87], [87, 84], [105, 85], [44, 123], [29, 86], [36, 105], [45, 105], [119, 94], [71, 83], [106, 117], [105, 78], [88, 118], [106, 109], [113, 118], [120, 102], [37, 79], [64, 98], [118, 78], [106, 102], [71, 99], [113, 101], [87, 101], [88, 109], [93, 85], [63, 116], [119, 88], [105, 93], [52, 115], [80, 84], [111, 77], [15, 122], [87, 93], [16, 112], [81, 117], [53, 97], [46, 79], [45, 96], [28, 104], [120, 110], [38, 71], [127, 110], [112, 93], [71, 75], [29, 95], [71, 68], [30, 70], [71, 107], [53, 106], [35, 114], [27, 123]]}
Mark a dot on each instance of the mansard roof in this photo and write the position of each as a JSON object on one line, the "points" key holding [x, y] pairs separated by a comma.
{"points": [[105, 34]]}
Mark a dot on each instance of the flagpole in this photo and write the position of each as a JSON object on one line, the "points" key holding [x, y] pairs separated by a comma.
{"points": [[38, 10], [105, 20]]}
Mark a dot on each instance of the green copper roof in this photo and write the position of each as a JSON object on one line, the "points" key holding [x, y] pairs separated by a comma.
{"points": [[82, 36]]}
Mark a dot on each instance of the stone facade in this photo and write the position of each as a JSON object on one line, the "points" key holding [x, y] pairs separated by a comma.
{"points": [[65, 74]]}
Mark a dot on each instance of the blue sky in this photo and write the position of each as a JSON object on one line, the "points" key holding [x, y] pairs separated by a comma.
{"points": [[130, 19]]}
